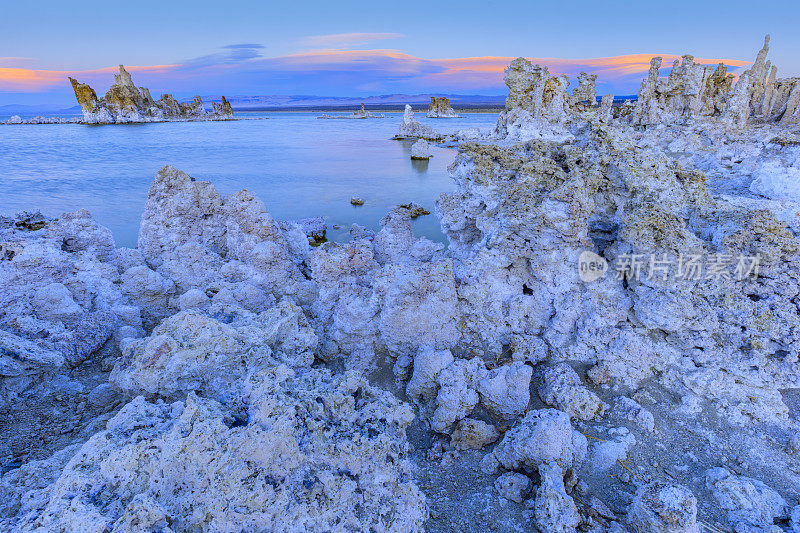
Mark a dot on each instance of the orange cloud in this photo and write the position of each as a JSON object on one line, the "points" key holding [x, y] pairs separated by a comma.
{"points": [[607, 68], [32, 80], [384, 68]]}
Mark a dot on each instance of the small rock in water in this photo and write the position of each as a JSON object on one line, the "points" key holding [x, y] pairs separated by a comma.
{"points": [[421, 150], [415, 209], [357, 200]]}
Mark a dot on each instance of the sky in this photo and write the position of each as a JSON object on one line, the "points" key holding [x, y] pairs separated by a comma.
{"points": [[346, 48]]}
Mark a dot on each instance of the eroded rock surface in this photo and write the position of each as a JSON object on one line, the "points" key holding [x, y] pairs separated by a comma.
{"points": [[672, 395], [411, 128], [124, 103], [440, 108]]}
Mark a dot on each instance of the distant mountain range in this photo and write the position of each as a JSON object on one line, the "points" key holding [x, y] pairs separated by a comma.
{"points": [[44, 109], [383, 101]]}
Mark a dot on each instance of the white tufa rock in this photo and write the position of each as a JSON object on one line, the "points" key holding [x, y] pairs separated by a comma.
{"points": [[302, 451], [513, 486], [505, 392], [662, 508], [749, 503], [421, 150], [561, 387], [541, 436], [439, 107], [554, 511], [411, 128], [472, 434], [629, 409]]}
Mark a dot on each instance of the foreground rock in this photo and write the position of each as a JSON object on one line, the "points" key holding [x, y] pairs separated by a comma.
{"points": [[566, 282], [660, 508], [440, 108], [126, 103], [306, 452]]}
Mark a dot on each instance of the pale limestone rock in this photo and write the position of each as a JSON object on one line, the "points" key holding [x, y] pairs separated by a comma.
{"points": [[26, 489], [314, 229], [662, 508], [457, 396], [683, 97], [505, 392], [221, 108], [193, 352], [428, 363], [604, 454], [439, 107], [178, 462], [629, 409], [125, 103], [606, 107], [748, 503], [393, 241], [513, 486], [411, 128], [554, 511], [537, 104], [198, 239], [560, 386], [61, 302], [586, 92], [542, 436], [794, 519], [472, 434], [421, 150], [418, 306]]}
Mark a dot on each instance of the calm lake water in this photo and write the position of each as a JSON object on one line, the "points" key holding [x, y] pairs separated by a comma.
{"points": [[298, 165]]}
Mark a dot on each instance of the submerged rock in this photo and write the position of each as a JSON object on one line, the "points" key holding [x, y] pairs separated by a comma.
{"points": [[414, 210]]}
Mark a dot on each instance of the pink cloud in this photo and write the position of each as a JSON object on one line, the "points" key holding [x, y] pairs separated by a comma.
{"points": [[344, 71]]}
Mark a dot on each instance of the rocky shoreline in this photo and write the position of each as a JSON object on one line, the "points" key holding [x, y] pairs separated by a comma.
{"points": [[226, 375]]}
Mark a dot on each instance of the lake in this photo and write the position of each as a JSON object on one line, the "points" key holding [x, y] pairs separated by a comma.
{"points": [[299, 166]]}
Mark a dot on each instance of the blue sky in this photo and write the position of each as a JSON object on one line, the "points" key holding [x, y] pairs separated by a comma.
{"points": [[359, 48]]}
